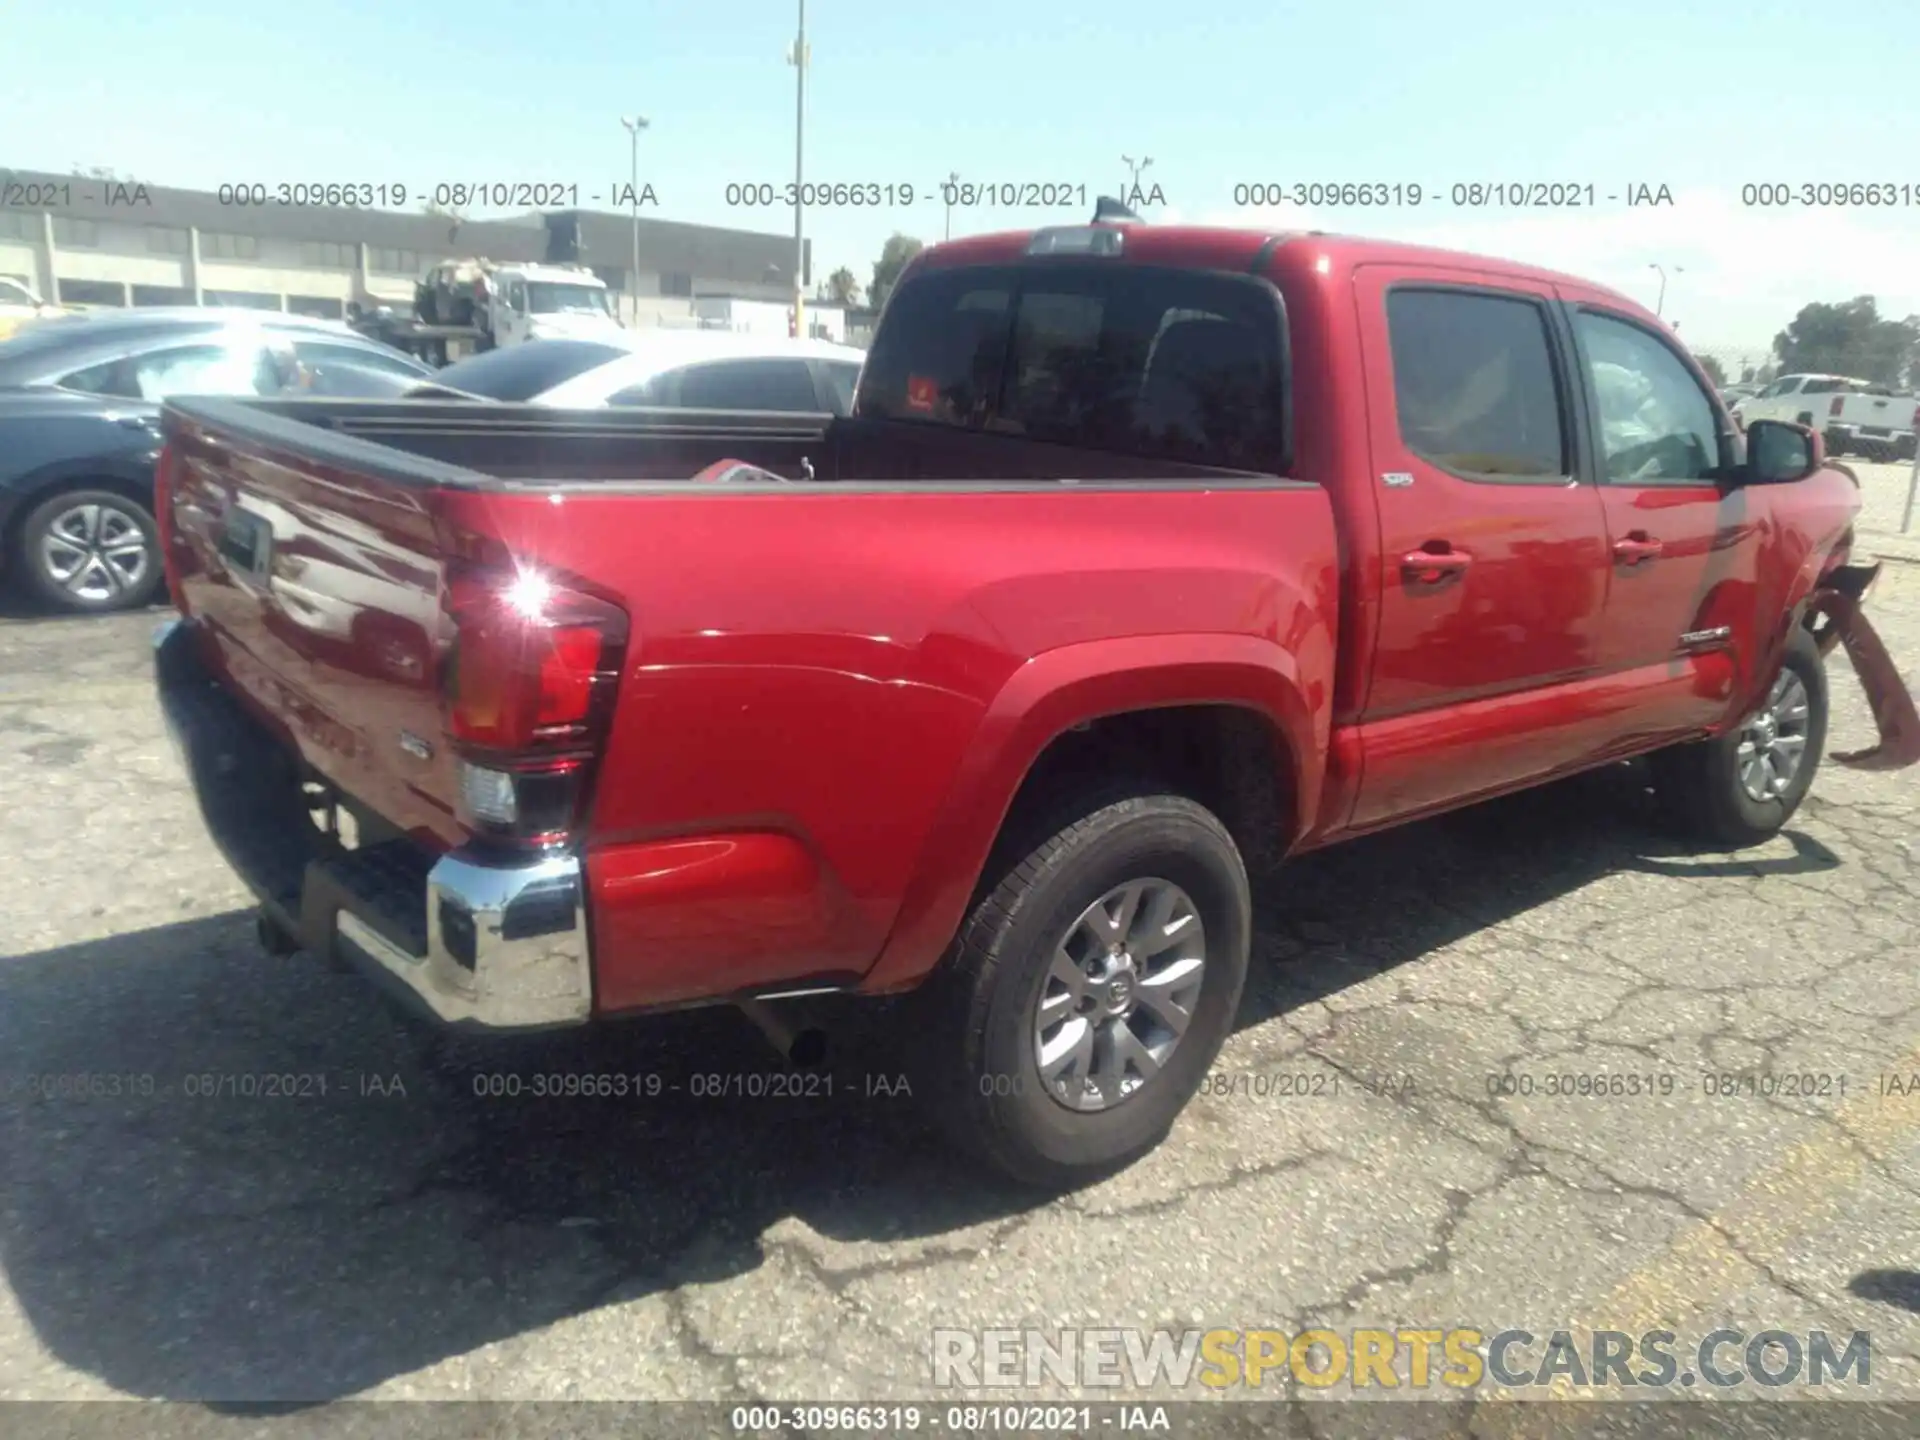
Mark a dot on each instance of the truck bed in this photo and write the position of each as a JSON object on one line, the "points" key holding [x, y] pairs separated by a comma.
{"points": [[818, 664], [472, 446]]}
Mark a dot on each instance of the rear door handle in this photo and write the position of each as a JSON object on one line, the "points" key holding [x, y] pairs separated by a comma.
{"points": [[1636, 549], [1434, 563]]}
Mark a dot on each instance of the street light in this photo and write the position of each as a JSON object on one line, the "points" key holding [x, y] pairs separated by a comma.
{"points": [[1660, 305], [798, 56], [953, 188], [1134, 167], [635, 124]]}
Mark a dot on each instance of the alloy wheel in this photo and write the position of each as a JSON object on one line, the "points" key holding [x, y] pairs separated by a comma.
{"points": [[1119, 994], [95, 551]]}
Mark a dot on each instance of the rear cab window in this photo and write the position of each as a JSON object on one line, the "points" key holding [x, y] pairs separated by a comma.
{"points": [[1180, 365]]}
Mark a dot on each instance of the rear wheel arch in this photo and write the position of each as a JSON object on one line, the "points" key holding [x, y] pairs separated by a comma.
{"points": [[1062, 720], [1230, 758]]}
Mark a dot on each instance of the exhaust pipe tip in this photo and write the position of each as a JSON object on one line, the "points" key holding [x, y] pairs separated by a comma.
{"points": [[808, 1050], [802, 1045]]}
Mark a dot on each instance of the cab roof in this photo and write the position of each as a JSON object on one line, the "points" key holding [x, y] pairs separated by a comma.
{"points": [[1304, 253]]}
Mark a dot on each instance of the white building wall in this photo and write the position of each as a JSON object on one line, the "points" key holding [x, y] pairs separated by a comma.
{"points": [[41, 249], [22, 262]]}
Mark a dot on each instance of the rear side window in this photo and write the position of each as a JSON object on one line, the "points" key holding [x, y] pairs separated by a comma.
{"points": [[845, 379], [1474, 384], [521, 372], [749, 385], [182, 370], [1181, 365], [320, 352]]}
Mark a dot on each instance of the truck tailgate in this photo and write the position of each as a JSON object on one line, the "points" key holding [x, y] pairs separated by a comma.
{"points": [[319, 591], [1878, 415]]}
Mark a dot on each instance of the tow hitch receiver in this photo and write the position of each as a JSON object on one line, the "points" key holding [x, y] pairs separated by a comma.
{"points": [[1838, 599]]}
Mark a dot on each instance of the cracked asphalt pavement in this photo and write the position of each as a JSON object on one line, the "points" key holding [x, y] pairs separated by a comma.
{"points": [[1384, 1147]]}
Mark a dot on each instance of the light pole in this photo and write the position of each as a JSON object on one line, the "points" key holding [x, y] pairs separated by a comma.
{"points": [[798, 57], [1660, 305], [635, 124], [953, 188], [1913, 489], [1134, 167]]}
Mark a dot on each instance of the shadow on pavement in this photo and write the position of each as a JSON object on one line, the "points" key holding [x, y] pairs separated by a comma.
{"points": [[1889, 1287], [179, 1222], [1423, 886]]}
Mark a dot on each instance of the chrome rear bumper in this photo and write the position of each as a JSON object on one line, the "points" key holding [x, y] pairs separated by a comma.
{"points": [[475, 940]]}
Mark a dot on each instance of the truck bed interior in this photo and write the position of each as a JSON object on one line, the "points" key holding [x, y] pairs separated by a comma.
{"points": [[470, 446]]}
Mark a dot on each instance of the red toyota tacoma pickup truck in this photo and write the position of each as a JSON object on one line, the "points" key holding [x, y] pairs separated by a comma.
{"points": [[1148, 558]]}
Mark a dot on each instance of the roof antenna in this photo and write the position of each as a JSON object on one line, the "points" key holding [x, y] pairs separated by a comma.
{"points": [[1109, 211]]}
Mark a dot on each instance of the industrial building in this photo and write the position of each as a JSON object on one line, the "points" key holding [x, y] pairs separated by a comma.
{"points": [[81, 240]]}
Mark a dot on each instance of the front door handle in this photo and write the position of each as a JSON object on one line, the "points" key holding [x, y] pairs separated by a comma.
{"points": [[1434, 563], [1636, 549]]}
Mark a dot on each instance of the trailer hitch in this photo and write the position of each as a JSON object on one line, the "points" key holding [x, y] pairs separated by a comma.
{"points": [[1838, 601]]}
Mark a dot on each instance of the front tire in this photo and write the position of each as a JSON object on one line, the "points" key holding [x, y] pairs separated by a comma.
{"points": [[89, 551], [1090, 988], [1742, 787]]}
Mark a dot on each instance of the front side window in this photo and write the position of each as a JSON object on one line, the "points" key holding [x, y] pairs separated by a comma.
{"points": [[1474, 384], [1656, 422], [1173, 364]]}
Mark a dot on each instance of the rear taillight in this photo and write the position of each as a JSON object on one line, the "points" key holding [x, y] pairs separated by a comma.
{"points": [[1836, 406], [528, 686]]}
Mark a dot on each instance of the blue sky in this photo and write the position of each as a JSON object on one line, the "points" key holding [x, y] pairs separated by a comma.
{"points": [[1216, 94]]}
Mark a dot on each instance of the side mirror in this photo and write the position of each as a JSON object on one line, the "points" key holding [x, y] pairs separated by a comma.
{"points": [[1778, 453]]}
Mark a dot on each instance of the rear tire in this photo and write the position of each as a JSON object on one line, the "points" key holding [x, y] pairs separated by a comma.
{"points": [[1739, 789], [1152, 889], [91, 551]]}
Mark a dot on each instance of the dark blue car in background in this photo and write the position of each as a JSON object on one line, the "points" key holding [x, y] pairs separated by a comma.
{"points": [[80, 400]]}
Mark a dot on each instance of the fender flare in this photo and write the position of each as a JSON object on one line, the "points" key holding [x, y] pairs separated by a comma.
{"points": [[1052, 694], [1772, 643]]}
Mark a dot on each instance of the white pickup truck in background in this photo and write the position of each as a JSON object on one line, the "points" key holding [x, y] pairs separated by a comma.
{"points": [[1855, 417]]}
